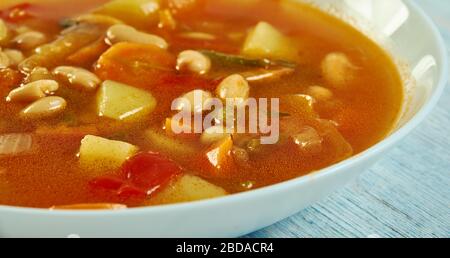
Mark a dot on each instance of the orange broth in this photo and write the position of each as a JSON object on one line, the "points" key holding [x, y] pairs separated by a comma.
{"points": [[364, 112]]}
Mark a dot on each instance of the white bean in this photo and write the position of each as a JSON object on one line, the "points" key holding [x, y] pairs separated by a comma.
{"points": [[337, 69], [4, 60], [320, 93], [3, 30], [37, 74], [30, 40], [22, 29], [188, 102], [33, 91], [48, 86], [44, 107], [124, 33], [193, 61], [224, 116], [78, 76], [15, 56], [234, 87], [98, 19], [198, 36], [25, 93]]}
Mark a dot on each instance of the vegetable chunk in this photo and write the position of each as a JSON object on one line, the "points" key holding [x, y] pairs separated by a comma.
{"points": [[187, 189], [218, 161], [140, 176], [100, 154], [134, 12], [266, 41], [124, 103], [143, 66]]}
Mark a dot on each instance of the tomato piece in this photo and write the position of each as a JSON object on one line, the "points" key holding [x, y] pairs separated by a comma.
{"points": [[17, 13], [127, 191], [107, 183], [140, 176], [150, 171]]}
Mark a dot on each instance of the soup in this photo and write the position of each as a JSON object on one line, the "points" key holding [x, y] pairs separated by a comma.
{"points": [[106, 104]]}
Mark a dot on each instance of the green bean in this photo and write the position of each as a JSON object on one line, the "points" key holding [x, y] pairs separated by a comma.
{"points": [[232, 60]]}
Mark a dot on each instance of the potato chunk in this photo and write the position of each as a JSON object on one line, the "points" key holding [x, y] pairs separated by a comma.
{"points": [[138, 13], [100, 154], [266, 41], [123, 102], [187, 189]]}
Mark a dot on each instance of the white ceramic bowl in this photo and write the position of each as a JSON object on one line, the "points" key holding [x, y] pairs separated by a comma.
{"points": [[409, 35]]}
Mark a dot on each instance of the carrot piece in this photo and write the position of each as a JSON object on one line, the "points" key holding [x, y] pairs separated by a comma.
{"points": [[168, 128], [218, 161], [143, 66], [67, 132], [89, 54]]}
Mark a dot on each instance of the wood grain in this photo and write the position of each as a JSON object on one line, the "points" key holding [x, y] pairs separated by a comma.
{"points": [[407, 194]]}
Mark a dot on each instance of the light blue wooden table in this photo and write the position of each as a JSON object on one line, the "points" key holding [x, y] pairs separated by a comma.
{"points": [[407, 194]]}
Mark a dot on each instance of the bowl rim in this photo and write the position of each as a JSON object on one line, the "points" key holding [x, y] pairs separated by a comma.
{"points": [[383, 145]]}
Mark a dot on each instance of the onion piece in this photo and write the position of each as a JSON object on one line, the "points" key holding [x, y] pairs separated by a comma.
{"points": [[264, 75], [17, 143]]}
